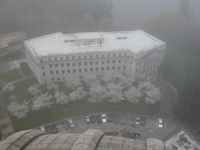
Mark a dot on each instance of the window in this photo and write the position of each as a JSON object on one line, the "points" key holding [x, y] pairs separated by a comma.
{"points": [[73, 57], [124, 67], [97, 62], [102, 68], [41, 60], [113, 61], [102, 55], [131, 62], [67, 58], [108, 68], [120, 54], [113, 68], [108, 61], [52, 79], [137, 63], [90, 56], [80, 70], [85, 69], [97, 56], [56, 65], [91, 63], [57, 71], [61, 58], [55, 58], [62, 65], [74, 70], [119, 67], [58, 79], [74, 64], [51, 72], [114, 55], [43, 74], [63, 71], [102, 62], [85, 56], [64, 78], [68, 64], [119, 61], [125, 54], [42, 67], [130, 69], [91, 69], [49, 59], [79, 63], [50, 65], [85, 63], [136, 70], [79, 57], [68, 71], [108, 55]]}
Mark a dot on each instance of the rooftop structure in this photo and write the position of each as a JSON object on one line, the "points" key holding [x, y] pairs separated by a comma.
{"points": [[58, 43], [182, 141], [91, 139]]}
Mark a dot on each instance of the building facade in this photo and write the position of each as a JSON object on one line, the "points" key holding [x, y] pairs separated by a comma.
{"points": [[53, 57]]}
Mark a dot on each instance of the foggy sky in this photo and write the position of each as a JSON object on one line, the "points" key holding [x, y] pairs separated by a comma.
{"points": [[143, 10]]}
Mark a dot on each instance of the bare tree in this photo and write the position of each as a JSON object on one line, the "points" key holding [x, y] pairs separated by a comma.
{"points": [[52, 86], [133, 95], [90, 78], [18, 110], [72, 82], [42, 101], [61, 98], [8, 88], [115, 92]]}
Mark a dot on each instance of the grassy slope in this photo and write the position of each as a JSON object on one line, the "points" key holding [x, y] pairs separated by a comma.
{"points": [[10, 75], [25, 68]]}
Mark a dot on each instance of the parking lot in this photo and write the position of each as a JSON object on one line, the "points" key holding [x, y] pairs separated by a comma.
{"points": [[150, 129]]}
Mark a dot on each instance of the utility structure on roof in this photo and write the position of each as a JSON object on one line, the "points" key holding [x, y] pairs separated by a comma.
{"points": [[54, 57]]}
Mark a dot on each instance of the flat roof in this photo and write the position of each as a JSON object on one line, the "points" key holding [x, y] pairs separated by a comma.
{"points": [[54, 44]]}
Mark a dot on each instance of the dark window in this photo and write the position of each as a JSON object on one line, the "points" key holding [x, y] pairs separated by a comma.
{"points": [[55, 58], [108, 61], [79, 63], [73, 57], [85, 56], [51, 72], [74, 64], [90, 56], [113, 68], [74, 70], [97, 62], [62, 65], [108, 55], [41, 60], [79, 57], [125, 54], [56, 65], [80, 70], [130, 69], [102, 55], [119, 67], [102, 68], [120, 54], [137, 64], [43, 74], [91, 69], [114, 55], [67, 58], [58, 79], [136, 70], [85, 63], [64, 78], [113, 61], [124, 67], [50, 65], [119, 61], [102, 62], [131, 62], [97, 56], [108, 68], [52, 79], [91, 63], [85, 69], [57, 71], [68, 64], [63, 71], [42, 67], [68, 71], [61, 58], [97, 69], [49, 59]]}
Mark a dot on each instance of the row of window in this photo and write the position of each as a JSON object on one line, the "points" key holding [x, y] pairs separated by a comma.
{"points": [[85, 56], [151, 64], [83, 63], [86, 70]]}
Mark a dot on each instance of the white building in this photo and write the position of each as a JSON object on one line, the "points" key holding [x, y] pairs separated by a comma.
{"points": [[53, 57]]}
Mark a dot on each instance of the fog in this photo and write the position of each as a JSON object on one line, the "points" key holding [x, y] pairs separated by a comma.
{"points": [[143, 10]]}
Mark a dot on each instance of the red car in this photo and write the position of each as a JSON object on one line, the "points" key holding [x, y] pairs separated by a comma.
{"points": [[110, 117], [115, 118], [48, 129]]}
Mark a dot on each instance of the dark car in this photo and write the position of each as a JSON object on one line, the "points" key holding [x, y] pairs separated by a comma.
{"points": [[48, 129], [99, 120], [115, 118], [54, 128], [65, 125], [110, 117], [93, 119], [143, 121]]}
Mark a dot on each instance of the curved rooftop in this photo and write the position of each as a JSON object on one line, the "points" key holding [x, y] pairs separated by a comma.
{"points": [[58, 43], [91, 139]]}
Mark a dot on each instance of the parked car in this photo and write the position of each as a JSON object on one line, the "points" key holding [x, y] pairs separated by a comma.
{"points": [[48, 129], [71, 123], [137, 121], [54, 128], [103, 116], [87, 119], [143, 121], [65, 125], [93, 119], [42, 128], [110, 117], [160, 123], [99, 120], [115, 118]]}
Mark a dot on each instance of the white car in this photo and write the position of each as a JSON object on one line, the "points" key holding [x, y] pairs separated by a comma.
{"points": [[160, 123], [137, 121], [71, 123], [103, 118], [42, 128]]}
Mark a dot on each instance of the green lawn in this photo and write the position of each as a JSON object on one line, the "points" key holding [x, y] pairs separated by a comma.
{"points": [[36, 118], [181, 62], [10, 75], [25, 68]]}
